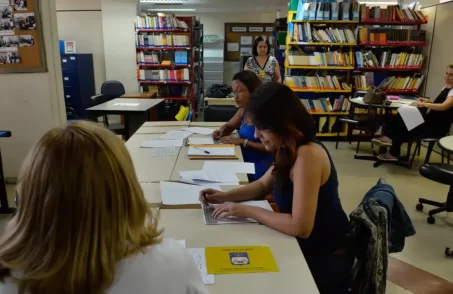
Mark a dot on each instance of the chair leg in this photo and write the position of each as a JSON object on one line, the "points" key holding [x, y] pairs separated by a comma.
{"points": [[358, 142], [430, 202], [417, 150], [338, 138], [437, 210], [429, 151]]}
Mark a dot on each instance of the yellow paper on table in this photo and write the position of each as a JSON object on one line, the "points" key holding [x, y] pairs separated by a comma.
{"points": [[240, 260]]}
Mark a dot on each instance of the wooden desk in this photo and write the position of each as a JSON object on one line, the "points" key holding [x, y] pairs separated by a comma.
{"points": [[220, 101], [166, 123], [294, 275], [140, 95], [158, 130], [148, 168], [206, 124]]}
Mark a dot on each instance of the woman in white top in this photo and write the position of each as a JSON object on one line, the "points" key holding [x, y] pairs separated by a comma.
{"points": [[262, 63], [83, 224]]}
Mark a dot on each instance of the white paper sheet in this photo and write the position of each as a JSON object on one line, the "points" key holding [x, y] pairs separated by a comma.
{"points": [[411, 116], [127, 104], [199, 130], [161, 143], [181, 194], [201, 141], [234, 220], [232, 47], [173, 135], [167, 151], [182, 243], [203, 178], [233, 167], [211, 151], [246, 40], [199, 256]]}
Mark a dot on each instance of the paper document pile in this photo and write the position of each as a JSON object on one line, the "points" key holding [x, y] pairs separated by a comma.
{"points": [[203, 178], [199, 257], [232, 167], [182, 194], [199, 130]]}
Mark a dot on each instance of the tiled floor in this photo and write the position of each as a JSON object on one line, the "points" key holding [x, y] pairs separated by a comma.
{"points": [[423, 255]]}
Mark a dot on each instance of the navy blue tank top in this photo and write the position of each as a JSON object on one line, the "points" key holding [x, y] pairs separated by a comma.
{"points": [[331, 223]]}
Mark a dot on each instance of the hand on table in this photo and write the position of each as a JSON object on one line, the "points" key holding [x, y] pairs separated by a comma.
{"points": [[231, 140], [230, 209], [217, 134], [421, 99], [212, 196], [418, 104]]}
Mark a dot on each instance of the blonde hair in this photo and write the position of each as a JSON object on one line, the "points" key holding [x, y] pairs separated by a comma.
{"points": [[450, 66], [81, 210]]}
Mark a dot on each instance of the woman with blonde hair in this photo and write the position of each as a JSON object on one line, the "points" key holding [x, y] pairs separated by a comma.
{"points": [[83, 224]]}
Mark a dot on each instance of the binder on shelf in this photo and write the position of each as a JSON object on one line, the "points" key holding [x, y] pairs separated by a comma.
{"points": [[319, 11]]}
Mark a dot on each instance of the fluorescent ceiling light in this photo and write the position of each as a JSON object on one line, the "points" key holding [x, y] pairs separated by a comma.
{"points": [[172, 9], [378, 3], [164, 1]]}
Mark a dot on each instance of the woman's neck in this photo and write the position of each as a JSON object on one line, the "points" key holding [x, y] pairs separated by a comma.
{"points": [[262, 57], [448, 85]]}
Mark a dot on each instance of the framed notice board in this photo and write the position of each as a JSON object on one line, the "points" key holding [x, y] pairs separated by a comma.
{"points": [[239, 38], [21, 40]]}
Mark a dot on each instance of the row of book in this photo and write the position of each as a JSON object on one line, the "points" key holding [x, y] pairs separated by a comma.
{"points": [[156, 22], [363, 82], [164, 74], [304, 33], [168, 90], [388, 59], [341, 104], [385, 35], [163, 57], [315, 82], [161, 40], [330, 58], [327, 11], [402, 83], [391, 13]]}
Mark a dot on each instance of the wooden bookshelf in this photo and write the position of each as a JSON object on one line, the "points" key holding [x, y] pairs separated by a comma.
{"points": [[392, 44], [389, 22], [173, 31], [149, 82], [327, 21], [320, 90], [162, 48], [342, 134], [320, 44], [153, 65], [328, 113], [388, 68], [319, 67]]}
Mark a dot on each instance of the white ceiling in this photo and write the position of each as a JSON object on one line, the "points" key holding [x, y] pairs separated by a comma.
{"points": [[204, 6]]}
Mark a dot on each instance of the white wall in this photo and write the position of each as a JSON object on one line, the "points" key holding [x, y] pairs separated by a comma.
{"points": [[81, 21], [31, 104], [118, 18]]}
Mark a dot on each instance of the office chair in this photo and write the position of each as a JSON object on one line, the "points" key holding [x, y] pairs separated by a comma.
{"points": [[110, 90]]}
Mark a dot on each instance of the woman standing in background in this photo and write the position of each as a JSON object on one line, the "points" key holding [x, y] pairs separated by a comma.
{"points": [[262, 63]]}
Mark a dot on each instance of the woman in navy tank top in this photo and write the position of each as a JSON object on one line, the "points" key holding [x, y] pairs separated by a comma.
{"points": [[244, 84], [304, 183]]}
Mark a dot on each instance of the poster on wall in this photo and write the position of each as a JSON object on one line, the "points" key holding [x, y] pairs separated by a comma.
{"points": [[246, 40], [246, 51], [9, 43], [10, 58], [233, 47], [19, 5], [26, 41], [25, 21]]}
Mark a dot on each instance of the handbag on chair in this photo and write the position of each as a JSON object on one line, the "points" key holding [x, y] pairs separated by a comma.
{"points": [[375, 96]]}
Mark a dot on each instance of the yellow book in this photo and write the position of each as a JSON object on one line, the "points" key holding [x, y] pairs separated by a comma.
{"points": [[240, 260]]}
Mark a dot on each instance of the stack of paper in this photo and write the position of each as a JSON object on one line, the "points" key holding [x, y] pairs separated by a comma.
{"points": [[162, 143], [203, 178], [181, 194], [206, 151], [232, 167], [201, 141], [411, 116], [175, 135], [199, 130], [199, 257]]}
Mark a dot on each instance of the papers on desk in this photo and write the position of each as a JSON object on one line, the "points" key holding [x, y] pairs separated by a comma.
{"points": [[203, 178], [231, 167], [209, 209], [167, 151], [127, 104], [175, 135], [201, 141], [162, 143], [182, 194], [207, 151], [199, 257], [199, 130], [411, 116]]}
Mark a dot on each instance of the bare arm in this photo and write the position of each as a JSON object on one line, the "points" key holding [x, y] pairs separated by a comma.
{"points": [[233, 124], [306, 177], [447, 104], [258, 146], [277, 75], [257, 189]]}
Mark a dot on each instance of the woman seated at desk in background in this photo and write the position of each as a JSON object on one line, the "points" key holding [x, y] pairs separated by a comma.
{"points": [[438, 116], [78, 230], [303, 182], [244, 84], [262, 63]]}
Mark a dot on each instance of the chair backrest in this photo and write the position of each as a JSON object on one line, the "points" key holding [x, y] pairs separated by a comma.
{"points": [[219, 113], [112, 89]]}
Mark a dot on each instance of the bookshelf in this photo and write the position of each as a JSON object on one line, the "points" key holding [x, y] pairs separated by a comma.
{"points": [[166, 59], [197, 37]]}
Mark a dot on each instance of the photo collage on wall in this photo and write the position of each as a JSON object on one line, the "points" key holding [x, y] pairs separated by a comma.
{"points": [[14, 17]]}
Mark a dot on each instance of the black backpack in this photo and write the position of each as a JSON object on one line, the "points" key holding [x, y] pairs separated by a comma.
{"points": [[218, 91]]}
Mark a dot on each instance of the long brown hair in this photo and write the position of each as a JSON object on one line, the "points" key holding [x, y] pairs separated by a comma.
{"points": [[81, 210], [275, 107]]}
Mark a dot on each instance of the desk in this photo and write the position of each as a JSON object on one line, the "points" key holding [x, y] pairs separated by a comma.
{"points": [[394, 105], [220, 101], [294, 275], [148, 168], [4, 209], [206, 124], [166, 123], [140, 95], [135, 111], [158, 130]]}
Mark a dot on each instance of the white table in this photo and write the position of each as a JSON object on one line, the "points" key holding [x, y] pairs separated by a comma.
{"points": [[158, 130], [294, 276], [394, 105], [148, 168], [206, 124], [166, 123], [446, 143], [135, 111]]}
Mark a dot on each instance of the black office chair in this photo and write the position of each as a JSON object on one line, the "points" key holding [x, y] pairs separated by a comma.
{"points": [[110, 90], [219, 113]]}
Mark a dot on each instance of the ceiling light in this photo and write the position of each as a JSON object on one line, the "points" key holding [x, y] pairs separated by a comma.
{"points": [[173, 9], [164, 1], [378, 3]]}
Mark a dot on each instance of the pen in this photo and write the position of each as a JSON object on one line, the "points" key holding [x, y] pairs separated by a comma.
{"points": [[205, 151]]}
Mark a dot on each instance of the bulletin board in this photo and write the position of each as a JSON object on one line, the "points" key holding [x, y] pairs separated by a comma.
{"points": [[21, 41], [239, 38]]}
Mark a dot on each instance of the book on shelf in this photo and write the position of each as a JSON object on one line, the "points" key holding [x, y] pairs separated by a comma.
{"points": [[387, 59], [318, 10], [329, 58], [394, 83], [315, 83], [304, 33], [340, 104], [364, 82], [161, 40], [163, 74], [392, 13], [386, 35], [167, 22], [163, 57]]}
